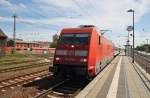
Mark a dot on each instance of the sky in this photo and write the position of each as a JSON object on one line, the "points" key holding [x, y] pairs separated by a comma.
{"points": [[39, 20]]}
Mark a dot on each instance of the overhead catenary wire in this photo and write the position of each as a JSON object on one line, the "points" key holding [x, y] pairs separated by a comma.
{"points": [[85, 12], [80, 9], [94, 7], [30, 22]]}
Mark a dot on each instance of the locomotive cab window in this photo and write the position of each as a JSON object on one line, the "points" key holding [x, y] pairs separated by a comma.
{"points": [[66, 38], [79, 38]]}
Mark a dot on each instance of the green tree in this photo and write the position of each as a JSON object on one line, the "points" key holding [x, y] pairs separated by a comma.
{"points": [[54, 43], [145, 47]]}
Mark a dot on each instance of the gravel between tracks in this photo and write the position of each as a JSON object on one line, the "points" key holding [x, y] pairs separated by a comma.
{"points": [[26, 91], [8, 75]]}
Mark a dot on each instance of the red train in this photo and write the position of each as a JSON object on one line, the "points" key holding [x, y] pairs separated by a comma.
{"points": [[82, 51]]}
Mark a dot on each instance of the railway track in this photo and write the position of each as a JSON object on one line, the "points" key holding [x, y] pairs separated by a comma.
{"points": [[6, 60], [12, 62], [23, 67], [17, 62], [18, 81], [147, 56], [68, 88], [64, 89], [144, 57], [143, 61], [143, 77]]}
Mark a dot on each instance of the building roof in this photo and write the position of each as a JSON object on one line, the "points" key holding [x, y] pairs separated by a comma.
{"points": [[29, 42], [2, 34]]}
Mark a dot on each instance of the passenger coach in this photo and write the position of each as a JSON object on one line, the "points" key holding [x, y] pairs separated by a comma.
{"points": [[82, 51]]}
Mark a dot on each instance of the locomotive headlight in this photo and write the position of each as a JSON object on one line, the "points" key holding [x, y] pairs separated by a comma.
{"points": [[57, 58], [91, 67], [83, 60]]}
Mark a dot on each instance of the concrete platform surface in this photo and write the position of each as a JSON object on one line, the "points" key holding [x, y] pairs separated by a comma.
{"points": [[118, 80]]}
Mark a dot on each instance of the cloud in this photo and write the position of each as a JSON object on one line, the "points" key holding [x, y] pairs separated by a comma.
{"points": [[62, 3], [3, 19], [39, 35], [59, 21], [106, 14], [8, 6]]}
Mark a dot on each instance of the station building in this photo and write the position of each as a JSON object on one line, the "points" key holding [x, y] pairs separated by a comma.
{"points": [[23, 45], [34, 46], [3, 41]]}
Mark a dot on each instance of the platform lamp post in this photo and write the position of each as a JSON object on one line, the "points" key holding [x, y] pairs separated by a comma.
{"points": [[147, 45], [147, 41], [129, 29], [131, 10], [14, 34], [14, 30]]}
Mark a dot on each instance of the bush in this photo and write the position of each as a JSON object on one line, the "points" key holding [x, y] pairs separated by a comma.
{"points": [[145, 47], [53, 45]]}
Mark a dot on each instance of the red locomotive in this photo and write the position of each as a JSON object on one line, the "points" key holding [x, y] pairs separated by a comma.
{"points": [[82, 51]]}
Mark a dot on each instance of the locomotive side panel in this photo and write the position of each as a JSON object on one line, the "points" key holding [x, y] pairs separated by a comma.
{"points": [[92, 54], [101, 52]]}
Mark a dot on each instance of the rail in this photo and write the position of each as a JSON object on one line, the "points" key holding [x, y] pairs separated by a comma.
{"points": [[67, 88], [23, 67], [18, 62], [45, 93], [21, 79]]}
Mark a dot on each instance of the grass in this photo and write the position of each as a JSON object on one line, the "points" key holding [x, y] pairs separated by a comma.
{"points": [[19, 61], [22, 64], [16, 55], [20, 58]]}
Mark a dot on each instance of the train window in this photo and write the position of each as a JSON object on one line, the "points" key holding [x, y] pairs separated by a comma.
{"points": [[82, 35], [67, 38], [81, 38], [74, 38], [99, 41], [67, 35]]}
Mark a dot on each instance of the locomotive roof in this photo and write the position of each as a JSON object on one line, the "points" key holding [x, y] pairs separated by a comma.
{"points": [[86, 29]]}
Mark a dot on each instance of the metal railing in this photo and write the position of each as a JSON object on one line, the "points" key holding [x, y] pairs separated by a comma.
{"points": [[142, 59]]}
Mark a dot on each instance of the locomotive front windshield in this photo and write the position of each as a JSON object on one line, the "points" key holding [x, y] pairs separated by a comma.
{"points": [[74, 39]]}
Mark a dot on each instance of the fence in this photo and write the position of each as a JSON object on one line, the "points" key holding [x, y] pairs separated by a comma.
{"points": [[142, 59]]}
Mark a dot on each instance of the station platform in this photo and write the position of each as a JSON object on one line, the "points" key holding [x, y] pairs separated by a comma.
{"points": [[120, 79]]}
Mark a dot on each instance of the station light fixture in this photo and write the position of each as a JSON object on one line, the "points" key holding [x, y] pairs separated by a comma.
{"points": [[132, 11]]}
